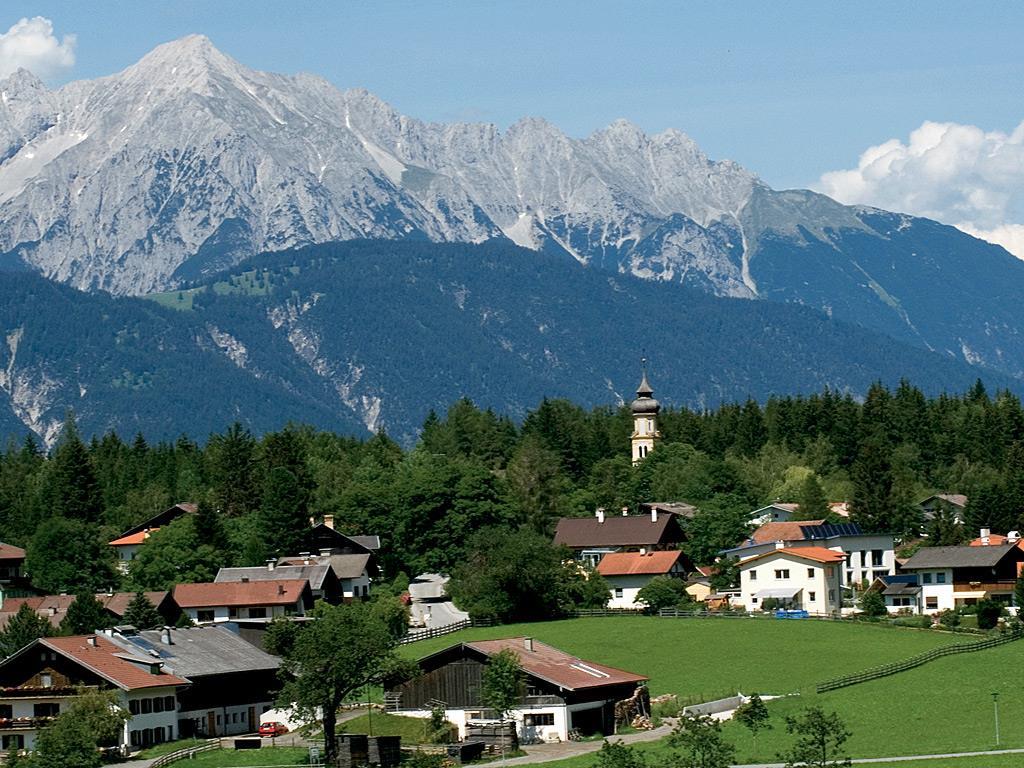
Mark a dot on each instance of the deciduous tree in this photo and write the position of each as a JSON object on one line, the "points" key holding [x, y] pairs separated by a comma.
{"points": [[501, 686], [820, 737], [697, 742]]}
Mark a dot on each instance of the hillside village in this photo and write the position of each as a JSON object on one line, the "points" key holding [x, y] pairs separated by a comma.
{"points": [[203, 658]]}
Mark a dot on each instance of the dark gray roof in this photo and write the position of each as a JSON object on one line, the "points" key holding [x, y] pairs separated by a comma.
{"points": [[349, 566], [958, 557], [314, 574], [198, 651], [370, 542], [680, 508]]}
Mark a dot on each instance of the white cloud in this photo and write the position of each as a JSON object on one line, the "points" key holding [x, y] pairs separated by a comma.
{"points": [[30, 43], [956, 174]]}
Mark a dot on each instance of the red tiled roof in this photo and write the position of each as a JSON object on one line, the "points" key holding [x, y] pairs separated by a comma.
{"points": [[106, 660], [11, 552], [787, 531], [817, 554], [51, 607], [634, 563], [555, 666], [134, 538], [240, 593]]}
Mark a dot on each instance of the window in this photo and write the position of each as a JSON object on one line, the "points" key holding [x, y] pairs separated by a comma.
{"points": [[147, 706], [618, 591], [811, 597], [133, 708], [158, 704], [863, 558], [753, 599], [831, 595], [940, 578], [541, 718], [877, 557], [232, 613], [46, 680], [14, 741], [849, 577], [811, 572], [257, 613], [234, 717], [46, 709], [782, 573], [169, 704], [6, 711], [926, 578], [533, 690], [202, 616], [753, 575], [931, 603]]}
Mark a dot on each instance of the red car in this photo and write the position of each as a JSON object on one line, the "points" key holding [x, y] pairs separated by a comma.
{"points": [[273, 729]]}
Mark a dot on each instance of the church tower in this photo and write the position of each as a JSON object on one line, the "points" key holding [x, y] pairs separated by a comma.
{"points": [[645, 419]]}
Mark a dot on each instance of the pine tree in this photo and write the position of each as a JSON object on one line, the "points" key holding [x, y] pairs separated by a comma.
{"points": [[24, 627], [141, 613], [284, 515], [812, 500], [85, 615], [72, 489], [872, 485], [232, 463], [209, 526]]}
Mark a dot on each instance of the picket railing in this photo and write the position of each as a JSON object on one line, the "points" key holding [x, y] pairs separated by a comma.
{"points": [[185, 754], [916, 661], [416, 635]]}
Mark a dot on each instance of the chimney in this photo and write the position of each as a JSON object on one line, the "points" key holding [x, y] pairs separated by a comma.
{"points": [[780, 544], [625, 511], [165, 636], [280, 589], [329, 521], [91, 640], [600, 514], [271, 564], [643, 550], [985, 534], [528, 643], [654, 515], [1011, 538]]}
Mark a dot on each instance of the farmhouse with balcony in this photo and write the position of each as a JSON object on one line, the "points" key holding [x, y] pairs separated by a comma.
{"points": [[40, 681], [231, 683], [562, 692], [591, 538], [951, 577]]}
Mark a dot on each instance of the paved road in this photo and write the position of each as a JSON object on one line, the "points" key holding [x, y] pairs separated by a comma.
{"points": [[429, 602]]}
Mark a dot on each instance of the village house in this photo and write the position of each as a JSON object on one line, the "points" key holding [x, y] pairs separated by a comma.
{"points": [[208, 603], [230, 682], [955, 502], [986, 538], [562, 692], [628, 572], [867, 555], [779, 512], [127, 545], [901, 592], [591, 538], [42, 679], [952, 577], [352, 558], [12, 578], [805, 578], [323, 582]]}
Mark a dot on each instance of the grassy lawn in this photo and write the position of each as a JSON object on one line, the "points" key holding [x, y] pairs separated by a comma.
{"points": [[411, 729], [991, 761], [709, 658], [168, 747], [944, 706], [242, 758]]}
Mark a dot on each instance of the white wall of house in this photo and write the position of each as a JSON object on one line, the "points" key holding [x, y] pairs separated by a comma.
{"points": [[936, 589], [897, 603], [867, 557], [150, 727], [217, 614], [228, 721], [355, 588], [624, 590], [817, 583], [548, 722], [125, 554]]}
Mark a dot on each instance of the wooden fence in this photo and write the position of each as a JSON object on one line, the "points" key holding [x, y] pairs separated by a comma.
{"points": [[416, 635], [185, 754], [917, 661]]}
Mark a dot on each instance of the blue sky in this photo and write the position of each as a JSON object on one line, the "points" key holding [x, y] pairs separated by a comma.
{"points": [[790, 90]]}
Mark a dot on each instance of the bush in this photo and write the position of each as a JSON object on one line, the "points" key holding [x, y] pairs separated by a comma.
{"points": [[920, 622], [949, 618], [872, 603], [770, 604], [989, 612]]}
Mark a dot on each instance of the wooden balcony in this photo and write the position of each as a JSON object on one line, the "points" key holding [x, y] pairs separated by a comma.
{"points": [[1002, 587]]}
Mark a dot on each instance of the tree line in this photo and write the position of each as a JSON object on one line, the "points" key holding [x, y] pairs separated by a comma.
{"points": [[475, 477]]}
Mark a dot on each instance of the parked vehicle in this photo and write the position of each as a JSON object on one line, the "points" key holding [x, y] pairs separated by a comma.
{"points": [[273, 729]]}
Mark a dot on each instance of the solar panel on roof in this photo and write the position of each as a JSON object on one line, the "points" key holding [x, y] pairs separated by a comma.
{"points": [[828, 530]]}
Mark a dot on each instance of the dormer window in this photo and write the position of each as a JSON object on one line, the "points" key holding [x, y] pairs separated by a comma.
{"points": [[46, 680]]}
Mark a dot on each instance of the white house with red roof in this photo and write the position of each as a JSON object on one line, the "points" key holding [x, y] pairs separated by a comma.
{"points": [[212, 602], [629, 572], [42, 679], [562, 692], [805, 578], [127, 545]]}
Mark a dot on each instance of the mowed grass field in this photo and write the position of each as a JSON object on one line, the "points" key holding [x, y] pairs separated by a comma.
{"points": [[944, 706], [717, 657]]}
